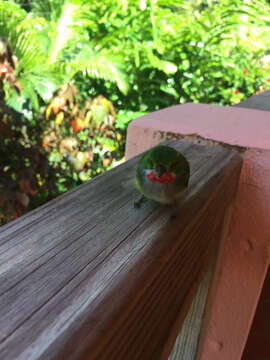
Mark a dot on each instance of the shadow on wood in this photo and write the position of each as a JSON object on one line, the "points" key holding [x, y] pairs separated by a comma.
{"points": [[87, 276]]}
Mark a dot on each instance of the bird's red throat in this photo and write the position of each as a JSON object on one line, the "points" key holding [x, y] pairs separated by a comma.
{"points": [[165, 178]]}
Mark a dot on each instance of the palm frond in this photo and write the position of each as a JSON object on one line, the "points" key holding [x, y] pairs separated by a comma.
{"points": [[70, 24], [11, 15], [24, 33], [97, 65], [43, 82], [49, 9], [29, 42]]}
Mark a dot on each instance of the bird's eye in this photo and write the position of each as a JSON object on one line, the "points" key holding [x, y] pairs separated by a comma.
{"points": [[174, 165]]}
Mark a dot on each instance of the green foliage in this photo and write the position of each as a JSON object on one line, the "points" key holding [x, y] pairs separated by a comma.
{"points": [[218, 64], [45, 52], [172, 51], [82, 137], [52, 45], [180, 51]]}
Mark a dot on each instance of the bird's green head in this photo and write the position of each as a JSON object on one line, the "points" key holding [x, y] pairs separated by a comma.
{"points": [[163, 164]]}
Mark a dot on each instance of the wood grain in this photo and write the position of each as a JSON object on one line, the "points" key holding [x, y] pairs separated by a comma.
{"points": [[88, 276], [186, 343], [193, 328]]}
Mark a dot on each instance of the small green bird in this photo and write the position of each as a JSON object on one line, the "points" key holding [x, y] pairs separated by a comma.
{"points": [[162, 175]]}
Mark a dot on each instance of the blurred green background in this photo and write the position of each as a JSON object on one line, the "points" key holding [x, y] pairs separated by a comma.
{"points": [[74, 73]]}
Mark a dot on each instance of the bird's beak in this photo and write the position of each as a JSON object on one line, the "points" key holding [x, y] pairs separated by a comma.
{"points": [[160, 170]]}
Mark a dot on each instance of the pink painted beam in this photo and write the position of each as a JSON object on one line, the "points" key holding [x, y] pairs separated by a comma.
{"points": [[244, 256], [234, 126]]}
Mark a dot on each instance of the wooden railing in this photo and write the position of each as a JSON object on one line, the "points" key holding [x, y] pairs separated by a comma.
{"points": [[88, 276]]}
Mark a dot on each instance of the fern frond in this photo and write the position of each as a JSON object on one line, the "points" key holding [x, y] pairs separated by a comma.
{"points": [[97, 65]]}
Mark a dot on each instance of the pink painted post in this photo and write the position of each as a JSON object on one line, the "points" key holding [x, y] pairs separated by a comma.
{"points": [[244, 256]]}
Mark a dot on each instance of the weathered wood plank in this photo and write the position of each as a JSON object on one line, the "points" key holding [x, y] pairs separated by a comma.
{"points": [[87, 276], [186, 343], [257, 101]]}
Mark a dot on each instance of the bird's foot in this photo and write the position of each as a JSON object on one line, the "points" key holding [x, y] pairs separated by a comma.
{"points": [[173, 215], [138, 203]]}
